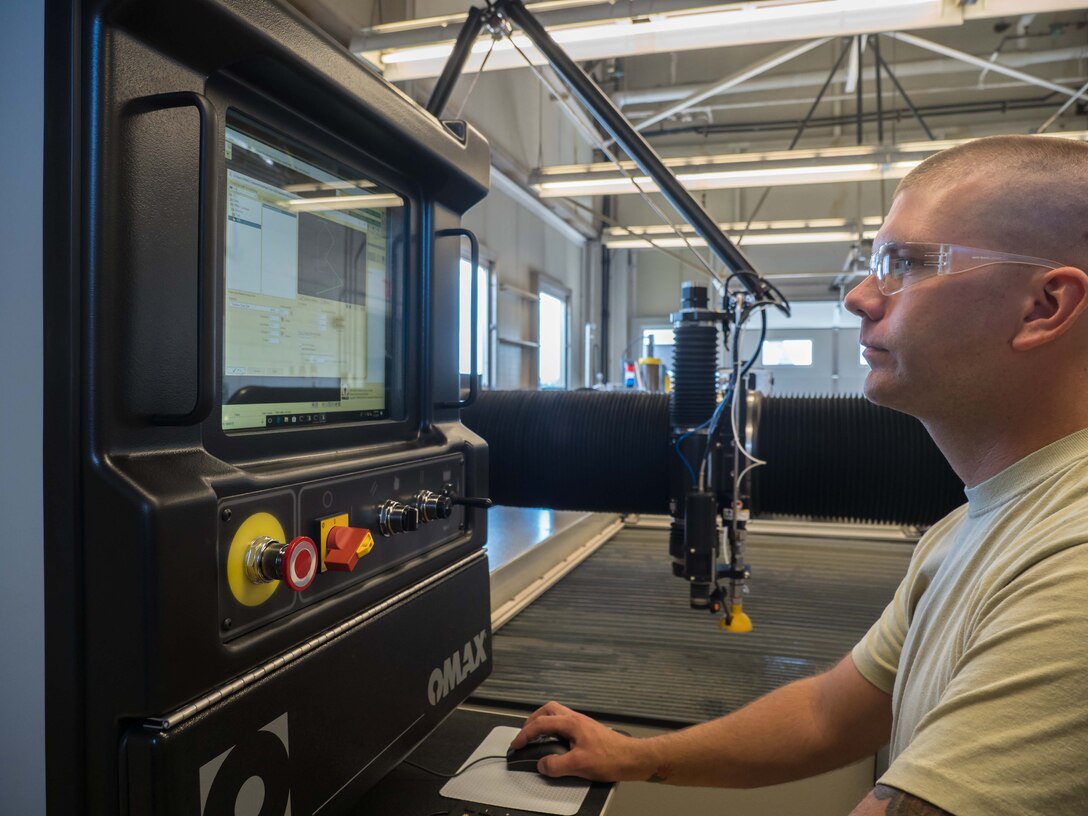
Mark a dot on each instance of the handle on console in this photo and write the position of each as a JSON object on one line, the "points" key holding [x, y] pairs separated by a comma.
{"points": [[207, 225]]}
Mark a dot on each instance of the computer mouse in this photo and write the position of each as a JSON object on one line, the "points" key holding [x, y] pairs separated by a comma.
{"points": [[526, 757]]}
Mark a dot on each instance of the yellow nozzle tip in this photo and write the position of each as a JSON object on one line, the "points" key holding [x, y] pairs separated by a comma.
{"points": [[740, 623]]}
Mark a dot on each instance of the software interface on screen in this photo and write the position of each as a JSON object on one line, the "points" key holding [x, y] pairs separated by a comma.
{"points": [[310, 270]]}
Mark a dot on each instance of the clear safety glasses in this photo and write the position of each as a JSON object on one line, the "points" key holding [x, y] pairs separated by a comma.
{"points": [[897, 265]]}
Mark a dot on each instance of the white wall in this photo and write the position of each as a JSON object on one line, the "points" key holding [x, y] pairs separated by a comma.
{"points": [[22, 637]]}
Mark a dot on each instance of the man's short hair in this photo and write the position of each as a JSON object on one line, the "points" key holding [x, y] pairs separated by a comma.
{"points": [[1019, 156]]}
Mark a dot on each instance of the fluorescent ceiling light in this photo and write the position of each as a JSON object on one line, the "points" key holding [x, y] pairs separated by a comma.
{"points": [[740, 170], [733, 24], [784, 224], [781, 239], [734, 179]]}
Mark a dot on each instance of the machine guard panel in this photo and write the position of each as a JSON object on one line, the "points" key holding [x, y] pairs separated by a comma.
{"points": [[322, 729]]}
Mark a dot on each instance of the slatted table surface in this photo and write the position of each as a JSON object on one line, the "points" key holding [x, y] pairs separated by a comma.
{"points": [[617, 638]]}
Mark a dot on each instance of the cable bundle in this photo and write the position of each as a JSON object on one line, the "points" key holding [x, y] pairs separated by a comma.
{"points": [[845, 458], [606, 451]]}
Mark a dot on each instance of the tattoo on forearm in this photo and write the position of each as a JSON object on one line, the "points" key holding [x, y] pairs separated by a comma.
{"points": [[901, 803], [661, 775]]}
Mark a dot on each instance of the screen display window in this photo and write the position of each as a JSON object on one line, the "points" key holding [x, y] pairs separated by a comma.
{"points": [[314, 253]]}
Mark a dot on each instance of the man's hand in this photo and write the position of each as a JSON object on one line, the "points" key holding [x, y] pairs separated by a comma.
{"points": [[596, 752]]}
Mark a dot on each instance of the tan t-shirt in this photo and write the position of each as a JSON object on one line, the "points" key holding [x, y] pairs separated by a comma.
{"points": [[984, 648]]}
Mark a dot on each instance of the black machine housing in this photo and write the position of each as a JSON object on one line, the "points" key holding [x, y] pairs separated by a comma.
{"points": [[169, 693]]}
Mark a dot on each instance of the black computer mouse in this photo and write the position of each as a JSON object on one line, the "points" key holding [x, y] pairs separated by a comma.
{"points": [[526, 757]]}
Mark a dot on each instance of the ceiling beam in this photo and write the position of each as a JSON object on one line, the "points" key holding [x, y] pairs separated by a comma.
{"points": [[1065, 106], [731, 81], [807, 79], [978, 62]]}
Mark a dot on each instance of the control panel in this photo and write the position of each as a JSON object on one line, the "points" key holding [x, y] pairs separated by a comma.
{"points": [[282, 549]]}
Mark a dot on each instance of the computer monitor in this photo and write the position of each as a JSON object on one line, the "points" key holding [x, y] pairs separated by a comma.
{"points": [[314, 262]]}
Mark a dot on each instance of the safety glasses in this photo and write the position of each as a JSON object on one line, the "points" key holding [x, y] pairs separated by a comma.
{"points": [[897, 265]]}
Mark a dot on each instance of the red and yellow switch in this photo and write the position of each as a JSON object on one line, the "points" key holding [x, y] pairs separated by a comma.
{"points": [[342, 545]]}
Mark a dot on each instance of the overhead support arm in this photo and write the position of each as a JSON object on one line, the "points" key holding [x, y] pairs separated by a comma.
{"points": [[456, 64], [731, 81], [639, 150]]}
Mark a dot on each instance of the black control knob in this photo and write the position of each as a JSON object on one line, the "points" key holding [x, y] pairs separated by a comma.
{"points": [[397, 517], [432, 506], [466, 501]]}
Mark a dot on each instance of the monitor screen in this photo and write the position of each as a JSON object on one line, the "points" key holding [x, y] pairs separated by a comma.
{"points": [[313, 250]]}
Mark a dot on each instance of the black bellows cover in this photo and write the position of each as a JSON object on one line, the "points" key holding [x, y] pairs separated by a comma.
{"points": [[605, 451], [827, 457], [694, 375], [844, 458]]}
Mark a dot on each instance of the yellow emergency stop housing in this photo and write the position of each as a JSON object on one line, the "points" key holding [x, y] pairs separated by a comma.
{"points": [[245, 591]]}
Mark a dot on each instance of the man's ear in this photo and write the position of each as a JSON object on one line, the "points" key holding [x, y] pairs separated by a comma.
{"points": [[1061, 295]]}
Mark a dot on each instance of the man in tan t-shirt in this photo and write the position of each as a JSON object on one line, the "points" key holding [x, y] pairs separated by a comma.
{"points": [[973, 321]]}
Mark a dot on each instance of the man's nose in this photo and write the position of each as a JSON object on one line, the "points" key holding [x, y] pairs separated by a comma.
{"points": [[866, 300]]}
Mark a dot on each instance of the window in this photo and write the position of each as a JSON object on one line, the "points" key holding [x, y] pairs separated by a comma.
{"points": [[483, 299], [661, 337], [787, 353], [553, 340]]}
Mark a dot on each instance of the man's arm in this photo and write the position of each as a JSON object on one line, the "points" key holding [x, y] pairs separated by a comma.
{"points": [[886, 801], [805, 728]]}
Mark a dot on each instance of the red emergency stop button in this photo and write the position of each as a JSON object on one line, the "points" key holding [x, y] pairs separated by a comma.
{"points": [[300, 563], [345, 546]]}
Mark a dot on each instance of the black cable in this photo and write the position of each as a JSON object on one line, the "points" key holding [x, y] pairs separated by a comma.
{"points": [[475, 761], [759, 345], [451, 775], [730, 391]]}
